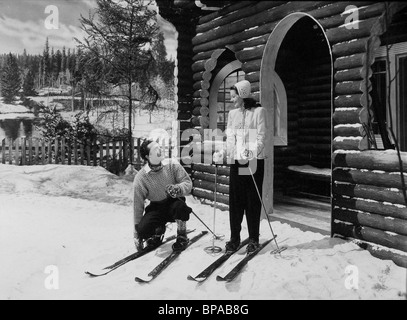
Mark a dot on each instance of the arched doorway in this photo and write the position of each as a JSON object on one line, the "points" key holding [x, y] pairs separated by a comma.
{"points": [[297, 66]]}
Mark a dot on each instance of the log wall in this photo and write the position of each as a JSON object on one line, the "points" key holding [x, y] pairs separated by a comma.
{"points": [[365, 205]]}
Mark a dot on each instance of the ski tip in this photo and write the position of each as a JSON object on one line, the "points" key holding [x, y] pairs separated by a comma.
{"points": [[219, 278], [139, 280], [196, 279], [92, 275]]}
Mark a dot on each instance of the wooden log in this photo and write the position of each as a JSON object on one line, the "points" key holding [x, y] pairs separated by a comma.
{"points": [[201, 85], [220, 13], [314, 88], [210, 177], [314, 113], [211, 186], [348, 130], [198, 66], [253, 77], [257, 18], [374, 207], [350, 101], [314, 147], [315, 131], [326, 79], [364, 13], [335, 8], [350, 87], [353, 61], [222, 171], [352, 47], [386, 160], [315, 122], [371, 178], [348, 143], [235, 35], [201, 94], [203, 55], [184, 116], [391, 195], [316, 139], [315, 96], [251, 66], [375, 221], [210, 196], [249, 43], [386, 239], [353, 74], [317, 104], [238, 14], [356, 30], [248, 54], [347, 116]]}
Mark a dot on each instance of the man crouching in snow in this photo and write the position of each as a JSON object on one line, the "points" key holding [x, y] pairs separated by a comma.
{"points": [[165, 183]]}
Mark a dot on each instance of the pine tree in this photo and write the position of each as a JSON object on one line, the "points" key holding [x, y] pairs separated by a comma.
{"points": [[29, 84], [10, 79], [46, 64], [124, 48]]}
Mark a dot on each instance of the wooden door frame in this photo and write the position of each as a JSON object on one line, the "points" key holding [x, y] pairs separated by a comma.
{"points": [[268, 78]]}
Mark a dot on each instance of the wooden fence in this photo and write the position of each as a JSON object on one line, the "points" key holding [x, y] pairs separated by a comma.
{"points": [[113, 155]]}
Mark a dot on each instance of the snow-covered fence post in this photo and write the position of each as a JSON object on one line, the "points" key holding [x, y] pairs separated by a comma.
{"points": [[30, 151], [101, 154], [3, 151], [10, 151], [107, 154], [16, 153], [23, 151], [75, 152], [49, 152], [63, 151]]}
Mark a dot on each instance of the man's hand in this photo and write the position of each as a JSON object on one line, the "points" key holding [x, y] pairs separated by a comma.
{"points": [[138, 242], [173, 190], [218, 156]]}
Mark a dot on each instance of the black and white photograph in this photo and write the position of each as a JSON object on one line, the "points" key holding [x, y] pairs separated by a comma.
{"points": [[210, 151]]}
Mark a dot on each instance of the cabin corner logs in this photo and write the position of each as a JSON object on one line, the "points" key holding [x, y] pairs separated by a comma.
{"points": [[328, 101]]}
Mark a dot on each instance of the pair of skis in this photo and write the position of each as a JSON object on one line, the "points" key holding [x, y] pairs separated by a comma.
{"points": [[174, 255], [201, 277], [134, 256]]}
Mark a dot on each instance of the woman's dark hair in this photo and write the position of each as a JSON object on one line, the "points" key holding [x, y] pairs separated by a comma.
{"points": [[250, 103], [144, 150]]}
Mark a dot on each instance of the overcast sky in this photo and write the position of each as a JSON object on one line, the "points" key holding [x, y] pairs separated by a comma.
{"points": [[25, 24]]}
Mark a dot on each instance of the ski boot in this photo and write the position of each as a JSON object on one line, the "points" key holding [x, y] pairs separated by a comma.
{"points": [[182, 239], [232, 245]]}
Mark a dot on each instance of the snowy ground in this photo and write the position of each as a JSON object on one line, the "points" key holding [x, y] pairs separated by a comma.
{"points": [[76, 218]]}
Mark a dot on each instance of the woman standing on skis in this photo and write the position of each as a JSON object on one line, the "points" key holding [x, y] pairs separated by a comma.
{"points": [[246, 132]]}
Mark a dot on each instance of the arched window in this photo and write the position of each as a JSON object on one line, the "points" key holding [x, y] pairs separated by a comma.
{"points": [[219, 95]]}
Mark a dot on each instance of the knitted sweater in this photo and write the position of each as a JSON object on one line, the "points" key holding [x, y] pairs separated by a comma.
{"points": [[150, 185]]}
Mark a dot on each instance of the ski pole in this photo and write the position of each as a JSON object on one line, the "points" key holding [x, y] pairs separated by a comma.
{"points": [[216, 237], [265, 211], [213, 248]]}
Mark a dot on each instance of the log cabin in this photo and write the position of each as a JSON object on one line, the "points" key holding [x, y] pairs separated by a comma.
{"points": [[332, 77]]}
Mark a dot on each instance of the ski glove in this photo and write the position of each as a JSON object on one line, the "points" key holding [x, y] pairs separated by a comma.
{"points": [[138, 242], [173, 190]]}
